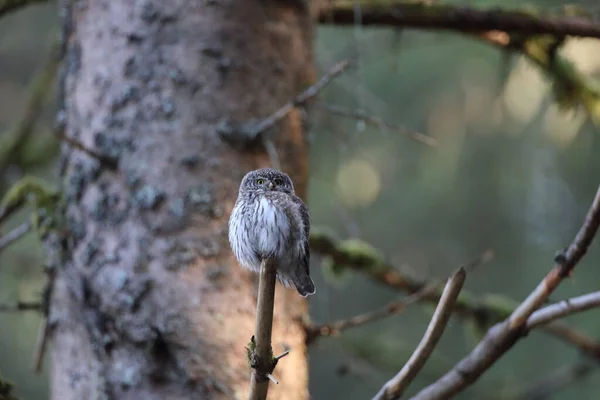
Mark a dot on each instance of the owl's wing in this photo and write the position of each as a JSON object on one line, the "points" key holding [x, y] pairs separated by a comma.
{"points": [[305, 257]]}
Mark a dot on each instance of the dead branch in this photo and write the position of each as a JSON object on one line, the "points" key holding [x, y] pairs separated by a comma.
{"points": [[300, 99], [433, 15], [396, 386], [376, 121], [502, 336]]}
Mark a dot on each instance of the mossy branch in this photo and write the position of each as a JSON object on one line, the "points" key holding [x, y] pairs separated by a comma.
{"points": [[458, 17], [481, 310], [569, 86], [35, 191], [536, 35]]}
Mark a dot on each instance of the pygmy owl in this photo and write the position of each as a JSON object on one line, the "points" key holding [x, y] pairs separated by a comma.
{"points": [[270, 221]]}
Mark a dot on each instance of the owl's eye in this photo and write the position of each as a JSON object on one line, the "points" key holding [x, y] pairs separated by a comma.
{"points": [[260, 181]]}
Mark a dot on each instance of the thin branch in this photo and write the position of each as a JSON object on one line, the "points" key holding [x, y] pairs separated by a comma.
{"points": [[300, 99], [21, 306], [502, 336], [563, 309], [8, 6], [40, 345], [588, 345], [396, 386], [373, 120], [260, 352], [410, 14], [15, 235], [334, 328]]}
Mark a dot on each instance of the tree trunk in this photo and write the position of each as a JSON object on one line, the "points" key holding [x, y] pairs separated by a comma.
{"points": [[148, 301]]}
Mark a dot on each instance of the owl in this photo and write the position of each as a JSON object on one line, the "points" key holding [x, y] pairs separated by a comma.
{"points": [[270, 221]]}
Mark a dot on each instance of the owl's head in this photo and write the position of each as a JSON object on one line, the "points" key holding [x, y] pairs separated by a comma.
{"points": [[267, 179]]}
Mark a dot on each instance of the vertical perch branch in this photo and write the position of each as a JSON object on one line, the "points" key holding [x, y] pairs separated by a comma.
{"points": [[260, 353]]}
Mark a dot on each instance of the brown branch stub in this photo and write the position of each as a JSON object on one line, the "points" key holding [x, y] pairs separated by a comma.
{"points": [[21, 306], [396, 386], [106, 161], [457, 18], [502, 336], [260, 353]]}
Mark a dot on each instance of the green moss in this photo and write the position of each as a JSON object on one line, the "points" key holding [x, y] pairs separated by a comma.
{"points": [[36, 192], [250, 352], [361, 254]]}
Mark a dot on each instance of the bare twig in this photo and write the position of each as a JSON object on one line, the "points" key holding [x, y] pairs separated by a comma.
{"points": [[14, 235], [374, 120], [21, 306], [334, 328], [410, 14], [260, 352], [563, 308], [396, 386], [502, 336], [300, 99], [8, 6]]}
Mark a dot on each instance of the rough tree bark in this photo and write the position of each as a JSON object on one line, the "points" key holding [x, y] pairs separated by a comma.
{"points": [[148, 301]]}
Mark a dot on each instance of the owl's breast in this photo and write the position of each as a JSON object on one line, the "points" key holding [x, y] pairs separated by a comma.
{"points": [[272, 228]]}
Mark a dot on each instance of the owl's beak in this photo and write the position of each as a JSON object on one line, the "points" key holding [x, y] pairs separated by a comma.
{"points": [[270, 185]]}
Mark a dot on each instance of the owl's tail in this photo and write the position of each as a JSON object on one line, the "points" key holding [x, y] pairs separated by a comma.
{"points": [[304, 285]]}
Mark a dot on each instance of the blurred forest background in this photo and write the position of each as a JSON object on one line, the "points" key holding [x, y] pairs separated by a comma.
{"points": [[512, 171]]}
